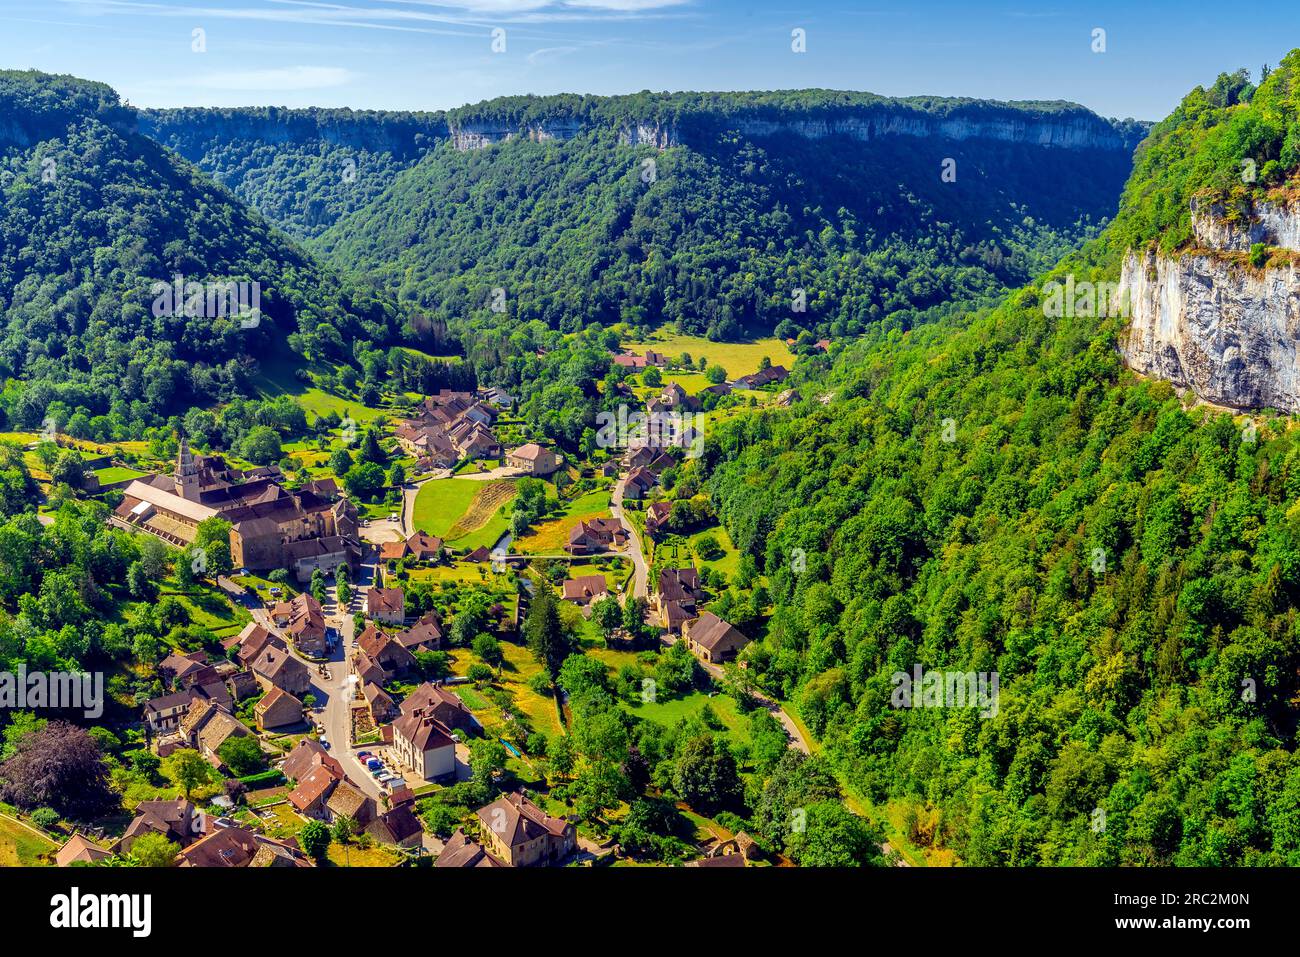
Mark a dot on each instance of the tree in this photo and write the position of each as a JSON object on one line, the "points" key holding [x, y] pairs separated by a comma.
{"points": [[152, 849], [340, 462], [139, 584], [344, 829], [634, 613], [187, 769], [652, 377], [371, 451], [716, 375], [706, 776], [559, 751], [607, 614], [397, 475], [488, 649], [69, 469], [213, 537], [60, 766], [243, 755], [364, 480], [45, 818], [314, 839], [832, 836], [545, 633], [439, 818], [487, 759], [261, 445], [20, 726]]}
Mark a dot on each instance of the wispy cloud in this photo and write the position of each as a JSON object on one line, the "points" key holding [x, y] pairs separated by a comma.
{"points": [[279, 79], [549, 53]]}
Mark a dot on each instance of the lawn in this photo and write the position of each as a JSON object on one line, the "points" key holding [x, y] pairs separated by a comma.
{"points": [[465, 512], [461, 573], [211, 609], [738, 358], [20, 846], [520, 666], [669, 712], [550, 537], [277, 378], [117, 473], [678, 557]]}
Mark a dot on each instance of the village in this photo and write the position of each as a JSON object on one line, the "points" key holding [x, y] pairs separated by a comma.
{"points": [[338, 677]]}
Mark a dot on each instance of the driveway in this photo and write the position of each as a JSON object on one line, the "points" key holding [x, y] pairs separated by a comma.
{"points": [[791, 728], [641, 572]]}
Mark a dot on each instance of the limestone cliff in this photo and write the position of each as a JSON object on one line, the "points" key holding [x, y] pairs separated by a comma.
{"points": [[1064, 125], [1207, 321]]}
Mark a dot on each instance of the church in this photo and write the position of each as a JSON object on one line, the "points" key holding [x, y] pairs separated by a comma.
{"points": [[271, 527]]}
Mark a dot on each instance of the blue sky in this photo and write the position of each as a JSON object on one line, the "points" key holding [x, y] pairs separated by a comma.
{"points": [[433, 54]]}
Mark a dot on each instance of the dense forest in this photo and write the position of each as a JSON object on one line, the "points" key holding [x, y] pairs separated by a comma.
{"points": [[997, 494], [725, 231], [93, 215], [303, 169]]}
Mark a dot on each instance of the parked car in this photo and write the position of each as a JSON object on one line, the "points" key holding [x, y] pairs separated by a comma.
{"points": [[324, 743]]}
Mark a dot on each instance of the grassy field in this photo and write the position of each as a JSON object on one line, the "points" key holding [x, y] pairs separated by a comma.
{"points": [[211, 609], [679, 556], [277, 378], [464, 512], [738, 358], [20, 846], [520, 666], [115, 473], [487, 517], [668, 713], [550, 537]]}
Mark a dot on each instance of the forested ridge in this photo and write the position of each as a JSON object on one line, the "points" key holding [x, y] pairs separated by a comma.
{"points": [[303, 169], [93, 215], [719, 231], [996, 493]]}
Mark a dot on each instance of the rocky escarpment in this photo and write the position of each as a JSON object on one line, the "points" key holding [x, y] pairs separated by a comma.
{"points": [[192, 130], [1207, 321], [1065, 125]]}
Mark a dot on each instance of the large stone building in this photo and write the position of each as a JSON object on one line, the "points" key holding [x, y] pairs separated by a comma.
{"points": [[521, 834], [271, 527]]}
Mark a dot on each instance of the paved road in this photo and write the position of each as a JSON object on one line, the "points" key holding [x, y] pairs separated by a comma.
{"points": [[641, 572], [333, 694]]}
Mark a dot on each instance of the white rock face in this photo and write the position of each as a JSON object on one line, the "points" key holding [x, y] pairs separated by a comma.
{"points": [[1227, 333], [1268, 223], [1068, 132]]}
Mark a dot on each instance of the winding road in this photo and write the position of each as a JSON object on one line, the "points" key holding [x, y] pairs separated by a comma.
{"points": [[641, 572]]}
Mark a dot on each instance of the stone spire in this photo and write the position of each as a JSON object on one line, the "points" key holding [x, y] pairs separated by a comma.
{"points": [[187, 473]]}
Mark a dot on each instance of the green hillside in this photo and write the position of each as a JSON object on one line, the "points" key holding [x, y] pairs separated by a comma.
{"points": [[997, 493]]}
